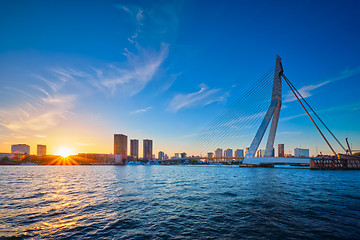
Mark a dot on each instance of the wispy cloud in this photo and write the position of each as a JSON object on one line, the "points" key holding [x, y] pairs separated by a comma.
{"points": [[140, 110], [306, 91], [40, 136], [39, 108], [346, 74], [202, 97], [132, 79]]}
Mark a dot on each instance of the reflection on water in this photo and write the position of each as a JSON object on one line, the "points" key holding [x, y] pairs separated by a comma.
{"points": [[142, 202]]}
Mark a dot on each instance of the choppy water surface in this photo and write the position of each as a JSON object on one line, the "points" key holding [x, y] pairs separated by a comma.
{"points": [[184, 202]]}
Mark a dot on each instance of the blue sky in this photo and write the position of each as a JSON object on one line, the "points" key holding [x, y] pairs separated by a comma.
{"points": [[74, 73]]}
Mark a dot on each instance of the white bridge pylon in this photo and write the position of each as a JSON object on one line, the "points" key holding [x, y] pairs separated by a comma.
{"points": [[273, 114]]}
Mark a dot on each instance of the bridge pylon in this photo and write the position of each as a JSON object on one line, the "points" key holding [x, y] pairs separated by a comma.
{"points": [[272, 114]]}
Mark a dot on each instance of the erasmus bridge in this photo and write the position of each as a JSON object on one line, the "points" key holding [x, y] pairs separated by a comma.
{"points": [[254, 110]]}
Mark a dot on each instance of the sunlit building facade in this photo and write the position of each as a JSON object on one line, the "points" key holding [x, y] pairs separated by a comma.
{"points": [[41, 150], [218, 154], [23, 148], [120, 145], [228, 153], [300, 152], [161, 155], [281, 150], [239, 153], [134, 148], [147, 149]]}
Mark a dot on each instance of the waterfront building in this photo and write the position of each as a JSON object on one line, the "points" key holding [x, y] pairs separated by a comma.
{"points": [[41, 150], [239, 153], [120, 145], [2, 155], [281, 150], [134, 148], [147, 149], [20, 148], [166, 157], [246, 150], [228, 153], [210, 155], [183, 155], [161, 155], [177, 155], [218, 154], [299, 152], [260, 153]]}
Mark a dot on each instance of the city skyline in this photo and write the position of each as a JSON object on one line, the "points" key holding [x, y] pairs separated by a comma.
{"points": [[164, 71]]}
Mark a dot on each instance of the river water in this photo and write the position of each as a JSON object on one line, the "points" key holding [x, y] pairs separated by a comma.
{"points": [[178, 202]]}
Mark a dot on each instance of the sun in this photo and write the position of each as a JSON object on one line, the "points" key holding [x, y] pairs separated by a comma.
{"points": [[64, 152]]}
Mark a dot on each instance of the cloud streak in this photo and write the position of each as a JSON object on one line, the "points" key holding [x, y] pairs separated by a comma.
{"points": [[140, 110], [36, 113], [130, 80], [204, 96], [306, 91]]}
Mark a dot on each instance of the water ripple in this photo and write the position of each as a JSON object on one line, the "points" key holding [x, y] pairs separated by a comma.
{"points": [[177, 202]]}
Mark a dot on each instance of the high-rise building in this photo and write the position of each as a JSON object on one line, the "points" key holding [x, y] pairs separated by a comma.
{"points": [[147, 149], [228, 153], [41, 150], [134, 148], [218, 153], [260, 153], [161, 155], [299, 152], [281, 150], [246, 151], [120, 145], [22, 148], [239, 153], [183, 155], [177, 155], [210, 155]]}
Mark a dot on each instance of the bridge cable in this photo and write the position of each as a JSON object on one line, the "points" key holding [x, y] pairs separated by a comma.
{"points": [[218, 128], [219, 125], [222, 131], [286, 80], [315, 114]]}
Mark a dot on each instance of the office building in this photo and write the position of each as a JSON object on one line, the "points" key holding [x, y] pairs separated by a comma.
{"points": [[239, 153], [134, 148], [120, 145], [20, 148], [41, 150], [228, 153], [299, 152], [147, 149], [281, 150], [218, 153], [177, 155], [161, 155], [246, 150], [260, 153], [210, 155], [183, 155]]}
